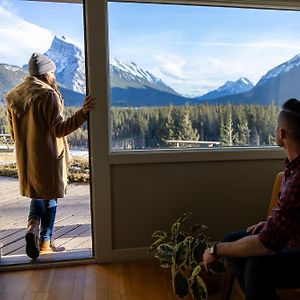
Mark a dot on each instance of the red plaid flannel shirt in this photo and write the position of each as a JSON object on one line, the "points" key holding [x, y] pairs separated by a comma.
{"points": [[282, 228]]}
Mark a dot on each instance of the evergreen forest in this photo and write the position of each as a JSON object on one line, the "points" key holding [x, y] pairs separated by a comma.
{"points": [[231, 125], [154, 127]]}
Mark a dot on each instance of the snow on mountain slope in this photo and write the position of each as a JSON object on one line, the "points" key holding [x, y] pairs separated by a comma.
{"points": [[70, 64], [282, 68], [70, 69], [128, 74], [229, 88]]}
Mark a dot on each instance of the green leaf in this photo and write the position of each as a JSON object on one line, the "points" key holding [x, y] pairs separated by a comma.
{"points": [[174, 230], [183, 217], [166, 248], [202, 237], [198, 227], [159, 234], [157, 243], [189, 240], [165, 264], [186, 265], [217, 267], [195, 273], [198, 288], [180, 285], [182, 253], [165, 253], [181, 236], [198, 251]]}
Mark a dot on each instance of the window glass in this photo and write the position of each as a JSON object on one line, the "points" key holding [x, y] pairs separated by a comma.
{"points": [[195, 76]]}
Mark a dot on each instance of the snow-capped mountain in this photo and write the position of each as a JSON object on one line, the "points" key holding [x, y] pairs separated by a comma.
{"points": [[128, 74], [235, 87], [130, 84], [70, 65], [10, 76], [283, 68], [70, 69], [241, 85], [126, 78], [276, 86]]}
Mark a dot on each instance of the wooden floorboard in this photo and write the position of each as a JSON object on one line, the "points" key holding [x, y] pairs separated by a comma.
{"points": [[73, 218], [143, 280]]}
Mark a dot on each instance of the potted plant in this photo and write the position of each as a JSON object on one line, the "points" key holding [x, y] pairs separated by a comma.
{"points": [[182, 252]]}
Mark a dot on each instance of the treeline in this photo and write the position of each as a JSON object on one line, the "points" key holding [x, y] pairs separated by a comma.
{"points": [[231, 125], [153, 127], [78, 138]]}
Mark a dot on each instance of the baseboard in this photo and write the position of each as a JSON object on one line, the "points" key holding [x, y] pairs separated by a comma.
{"points": [[131, 254], [22, 262]]}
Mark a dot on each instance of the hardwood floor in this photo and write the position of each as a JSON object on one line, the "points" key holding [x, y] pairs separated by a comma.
{"points": [[143, 280], [111, 281]]}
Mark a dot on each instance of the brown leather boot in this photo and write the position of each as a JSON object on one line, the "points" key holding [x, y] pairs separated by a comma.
{"points": [[48, 247], [31, 238]]}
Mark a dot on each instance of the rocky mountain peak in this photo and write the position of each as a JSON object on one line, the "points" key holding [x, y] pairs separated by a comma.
{"points": [[129, 74], [70, 64], [241, 85]]}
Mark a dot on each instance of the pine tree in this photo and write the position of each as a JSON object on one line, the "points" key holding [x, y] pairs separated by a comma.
{"points": [[255, 138], [243, 135], [183, 129], [167, 128], [226, 130]]}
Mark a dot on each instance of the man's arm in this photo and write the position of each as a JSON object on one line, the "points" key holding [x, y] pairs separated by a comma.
{"points": [[247, 246], [256, 228]]}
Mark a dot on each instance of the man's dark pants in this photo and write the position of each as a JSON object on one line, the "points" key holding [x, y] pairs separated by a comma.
{"points": [[260, 276]]}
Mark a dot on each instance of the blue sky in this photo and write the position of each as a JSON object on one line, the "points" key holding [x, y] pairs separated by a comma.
{"points": [[57, 17], [196, 49], [193, 49], [28, 26]]}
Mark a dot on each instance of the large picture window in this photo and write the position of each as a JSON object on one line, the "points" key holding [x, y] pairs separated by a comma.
{"points": [[195, 76], [56, 31]]}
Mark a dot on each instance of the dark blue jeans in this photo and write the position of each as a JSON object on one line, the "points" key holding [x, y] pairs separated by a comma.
{"points": [[259, 276], [45, 211]]}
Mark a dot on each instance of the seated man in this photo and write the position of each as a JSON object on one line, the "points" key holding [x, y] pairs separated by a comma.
{"points": [[266, 256]]}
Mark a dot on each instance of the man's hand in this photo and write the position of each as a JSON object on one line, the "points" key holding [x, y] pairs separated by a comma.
{"points": [[89, 103], [208, 259], [256, 228]]}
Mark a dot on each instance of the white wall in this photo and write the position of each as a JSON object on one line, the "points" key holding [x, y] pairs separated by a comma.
{"points": [[224, 196]]}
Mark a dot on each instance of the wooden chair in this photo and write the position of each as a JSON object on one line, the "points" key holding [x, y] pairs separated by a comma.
{"points": [[229, 278]]}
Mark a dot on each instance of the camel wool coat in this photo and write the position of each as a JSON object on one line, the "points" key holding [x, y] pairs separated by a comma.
{"points": [[38, 130]]}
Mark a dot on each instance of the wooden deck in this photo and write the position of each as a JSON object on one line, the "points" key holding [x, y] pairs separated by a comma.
{"points": [[73, 220]]}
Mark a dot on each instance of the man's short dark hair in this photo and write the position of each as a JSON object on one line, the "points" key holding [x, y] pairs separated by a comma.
{"points": [[289, 118]]}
